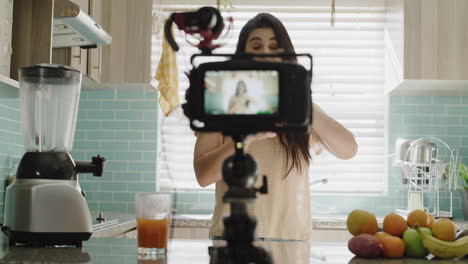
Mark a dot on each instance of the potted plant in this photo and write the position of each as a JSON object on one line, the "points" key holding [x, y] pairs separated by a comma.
{"points": [[463, 187]]}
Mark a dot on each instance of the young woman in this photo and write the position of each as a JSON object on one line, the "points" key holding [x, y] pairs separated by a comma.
{"points": [[241, 102], [283, 213]]}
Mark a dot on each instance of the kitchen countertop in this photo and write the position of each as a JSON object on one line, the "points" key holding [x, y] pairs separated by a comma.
{"points": [[124, 250], [119, 223], [126, 222]]}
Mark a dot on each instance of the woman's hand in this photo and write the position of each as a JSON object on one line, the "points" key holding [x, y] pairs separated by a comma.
{"points": [[210, 152]]}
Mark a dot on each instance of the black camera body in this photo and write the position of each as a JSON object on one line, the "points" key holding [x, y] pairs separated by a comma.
{"points": [[242, 95]]}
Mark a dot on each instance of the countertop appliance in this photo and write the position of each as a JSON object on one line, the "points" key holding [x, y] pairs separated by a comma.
{"points": [[45, 205]]}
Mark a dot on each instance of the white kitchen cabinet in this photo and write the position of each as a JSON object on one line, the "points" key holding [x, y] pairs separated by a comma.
{"points": [[427, 47], [128, 58]]}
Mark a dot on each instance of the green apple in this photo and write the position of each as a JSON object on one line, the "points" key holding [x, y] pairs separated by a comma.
{"points": [[413, 243]]}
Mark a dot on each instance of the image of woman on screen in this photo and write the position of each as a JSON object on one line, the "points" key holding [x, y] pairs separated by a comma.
{"points": [[241, 102]]}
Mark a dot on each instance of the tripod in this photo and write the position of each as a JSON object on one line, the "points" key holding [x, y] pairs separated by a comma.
{"points": [[240, 173]]}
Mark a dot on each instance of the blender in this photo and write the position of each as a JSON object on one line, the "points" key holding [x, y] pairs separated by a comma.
{"points": [[45, 205]]}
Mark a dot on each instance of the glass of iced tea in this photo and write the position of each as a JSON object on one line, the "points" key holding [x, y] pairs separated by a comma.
{"points": [[152, 216]]}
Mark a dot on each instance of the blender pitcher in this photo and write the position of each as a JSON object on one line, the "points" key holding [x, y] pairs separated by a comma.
{"points": [[49, 104]]}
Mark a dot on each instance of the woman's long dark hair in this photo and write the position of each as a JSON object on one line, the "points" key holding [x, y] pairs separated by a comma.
{"points": [[295, 144], [239, 84]]}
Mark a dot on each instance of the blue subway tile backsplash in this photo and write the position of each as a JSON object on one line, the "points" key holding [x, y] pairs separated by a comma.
{"points": [[121, 126], [441, 117], [11, 143], [114, 125], [411, 117]]}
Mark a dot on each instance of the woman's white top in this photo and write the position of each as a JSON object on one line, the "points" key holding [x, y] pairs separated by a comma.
{"points": [[283, 213]]}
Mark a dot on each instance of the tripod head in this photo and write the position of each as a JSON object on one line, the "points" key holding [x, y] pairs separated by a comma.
{"points": [[240, 174]]}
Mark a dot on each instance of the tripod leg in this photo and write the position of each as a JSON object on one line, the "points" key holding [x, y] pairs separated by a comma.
{"points": [[260, 256], [239, 255]]}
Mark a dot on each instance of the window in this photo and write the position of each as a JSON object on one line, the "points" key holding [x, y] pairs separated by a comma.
{"points": [[348, 84]]}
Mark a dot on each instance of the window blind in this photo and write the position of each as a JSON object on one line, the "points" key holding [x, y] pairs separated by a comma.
{"points": [[348, 84]]}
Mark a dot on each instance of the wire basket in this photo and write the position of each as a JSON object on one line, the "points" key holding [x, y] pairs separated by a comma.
{"points": [[430, 178]]}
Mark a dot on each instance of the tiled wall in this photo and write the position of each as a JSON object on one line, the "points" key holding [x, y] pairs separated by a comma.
{"points": [[441, 117], [11, 143], [409, 117], [121, 126]]}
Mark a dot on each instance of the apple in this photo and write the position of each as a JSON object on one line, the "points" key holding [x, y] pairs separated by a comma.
{"points": [[413, 243], [365, 246]]}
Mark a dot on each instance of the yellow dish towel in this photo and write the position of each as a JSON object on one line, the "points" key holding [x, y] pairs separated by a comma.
{"points": [[167, 75]]}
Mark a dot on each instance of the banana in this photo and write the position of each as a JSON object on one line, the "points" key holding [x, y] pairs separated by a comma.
{"points": [[444, 249]]}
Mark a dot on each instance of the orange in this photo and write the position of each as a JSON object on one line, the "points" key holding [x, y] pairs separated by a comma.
{"points": [[444, 229], [431, 221], [380, 235], [361, 222], [393, 247], [418, 218], [394, 224]]}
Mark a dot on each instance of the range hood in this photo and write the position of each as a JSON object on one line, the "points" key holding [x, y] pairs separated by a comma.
{"points": [[74, 28]]}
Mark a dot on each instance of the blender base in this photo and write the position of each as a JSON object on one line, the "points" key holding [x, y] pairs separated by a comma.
{"points": [[45, 239]]}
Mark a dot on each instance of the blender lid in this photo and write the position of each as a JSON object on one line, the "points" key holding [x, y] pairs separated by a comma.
{"points": [[49, 71]]}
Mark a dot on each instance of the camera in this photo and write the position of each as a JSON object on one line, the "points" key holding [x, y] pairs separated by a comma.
{"points": [[249, 93]]}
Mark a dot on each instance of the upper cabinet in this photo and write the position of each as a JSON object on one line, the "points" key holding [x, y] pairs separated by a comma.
{"points": [[128, 58], [43, 32], [427, 47]]}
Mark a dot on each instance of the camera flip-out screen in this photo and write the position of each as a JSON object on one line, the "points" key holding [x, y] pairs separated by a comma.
{"points": [[241, 92], [242, 95]]}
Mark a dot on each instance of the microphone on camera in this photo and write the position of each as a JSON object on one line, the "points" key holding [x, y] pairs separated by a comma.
{"points": [[206, 22]]}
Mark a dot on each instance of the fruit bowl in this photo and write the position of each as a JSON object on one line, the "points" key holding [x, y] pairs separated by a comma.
{"points": [[418, 236]]}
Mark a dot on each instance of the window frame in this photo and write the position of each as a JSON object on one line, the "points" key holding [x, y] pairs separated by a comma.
{"points": [[383, 191]]}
